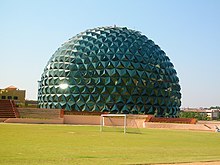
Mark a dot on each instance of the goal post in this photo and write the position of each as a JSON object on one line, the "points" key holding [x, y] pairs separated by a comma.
{"points": [[102, 120]]}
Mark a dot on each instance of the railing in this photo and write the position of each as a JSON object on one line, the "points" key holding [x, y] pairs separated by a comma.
{"points": [[14, 109]]}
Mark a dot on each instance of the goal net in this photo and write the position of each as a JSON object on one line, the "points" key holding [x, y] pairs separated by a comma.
{"points": [[121, 122]]}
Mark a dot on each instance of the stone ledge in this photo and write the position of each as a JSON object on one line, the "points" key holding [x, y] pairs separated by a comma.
{"points": [[34, 121], [199, 127]]}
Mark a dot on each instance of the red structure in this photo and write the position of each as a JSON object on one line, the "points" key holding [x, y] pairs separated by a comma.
{"points": [[8, 109], [151, 118]]}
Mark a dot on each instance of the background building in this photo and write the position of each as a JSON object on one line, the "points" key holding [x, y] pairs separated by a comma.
{"points": [[13, 93], [110, 69], [211, 114]]}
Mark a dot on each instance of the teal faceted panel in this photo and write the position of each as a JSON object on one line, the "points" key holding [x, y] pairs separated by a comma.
{"points": [[111, 69]]}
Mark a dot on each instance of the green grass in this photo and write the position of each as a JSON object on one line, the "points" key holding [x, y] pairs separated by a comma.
{"points": [[65, 144]]}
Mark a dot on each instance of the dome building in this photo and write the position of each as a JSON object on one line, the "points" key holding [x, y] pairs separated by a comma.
{"points": [[110, 69]]}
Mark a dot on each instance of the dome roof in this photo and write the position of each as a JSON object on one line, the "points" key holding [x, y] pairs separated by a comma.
{"points": [[112, 69]]}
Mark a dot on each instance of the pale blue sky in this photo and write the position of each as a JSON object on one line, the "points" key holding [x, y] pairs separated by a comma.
{"points": [[187, 30]]}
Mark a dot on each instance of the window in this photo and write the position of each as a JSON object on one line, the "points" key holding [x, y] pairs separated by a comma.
{"points": [[9, 97], [15, 97], [3, 97]]}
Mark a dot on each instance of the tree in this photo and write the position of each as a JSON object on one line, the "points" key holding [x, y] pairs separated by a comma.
{"points": [[197, 115]]}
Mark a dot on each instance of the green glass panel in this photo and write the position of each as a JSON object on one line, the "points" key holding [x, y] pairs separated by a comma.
{"points": [[111, 69]]}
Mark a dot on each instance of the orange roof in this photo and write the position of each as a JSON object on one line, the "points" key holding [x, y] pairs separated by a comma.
{"points": [[11, 87]]}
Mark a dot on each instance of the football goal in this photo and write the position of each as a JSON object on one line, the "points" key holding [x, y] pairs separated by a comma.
{"points": [[121, 121]]}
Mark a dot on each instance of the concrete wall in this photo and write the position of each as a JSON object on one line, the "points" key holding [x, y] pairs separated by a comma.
{"points": [[132, 120], [138, 122], [135, 121], [34, 121], [199, 127], [82, 119], [39, 113]]}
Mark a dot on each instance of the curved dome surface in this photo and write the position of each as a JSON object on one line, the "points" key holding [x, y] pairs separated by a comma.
{"points": [[112, 69]]}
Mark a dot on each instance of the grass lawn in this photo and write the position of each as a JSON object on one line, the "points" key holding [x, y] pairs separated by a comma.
{"points": [[65, 144]]}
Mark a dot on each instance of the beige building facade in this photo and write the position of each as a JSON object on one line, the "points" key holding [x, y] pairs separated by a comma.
{"points": [[13, 93]]}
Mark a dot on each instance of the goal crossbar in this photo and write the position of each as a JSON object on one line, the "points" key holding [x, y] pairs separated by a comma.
{"points": [[102, 120]]}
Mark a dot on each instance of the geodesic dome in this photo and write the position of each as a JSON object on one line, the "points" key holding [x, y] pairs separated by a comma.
{"points": [[113, 69]]}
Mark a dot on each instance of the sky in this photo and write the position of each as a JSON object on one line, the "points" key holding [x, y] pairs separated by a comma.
{"points": [[187, 30]]}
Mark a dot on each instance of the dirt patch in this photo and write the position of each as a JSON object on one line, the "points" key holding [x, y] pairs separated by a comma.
{"points": [[194, 163]]}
